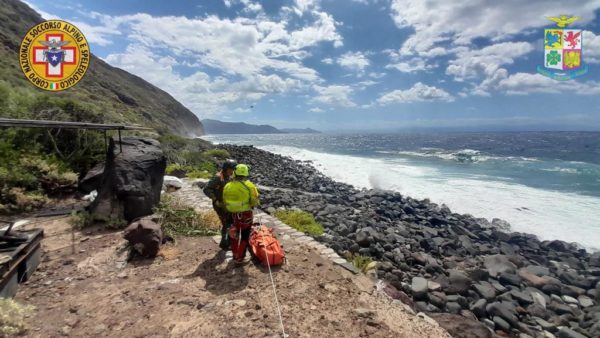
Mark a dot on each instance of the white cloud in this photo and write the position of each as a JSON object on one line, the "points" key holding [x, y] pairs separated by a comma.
{"points": [[327, 61], [100, 34], [526, 83], [334, 95], [411, 66], [303, 6], [440, 21], [417, 93], [255, 56], [355, 61], [591, 47], [316, 110], [472, 63]]}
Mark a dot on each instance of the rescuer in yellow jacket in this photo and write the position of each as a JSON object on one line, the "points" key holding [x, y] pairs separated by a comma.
{"points": [[240, 196]]}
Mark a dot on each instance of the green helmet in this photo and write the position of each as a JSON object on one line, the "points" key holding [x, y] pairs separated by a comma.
{"points": [[241, 170]]}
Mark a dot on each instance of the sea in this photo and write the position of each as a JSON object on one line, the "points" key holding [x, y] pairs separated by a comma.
{"points": [[543, 183]]}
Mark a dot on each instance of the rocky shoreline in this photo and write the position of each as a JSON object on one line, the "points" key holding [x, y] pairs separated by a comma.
{"points": [[513, 283]]}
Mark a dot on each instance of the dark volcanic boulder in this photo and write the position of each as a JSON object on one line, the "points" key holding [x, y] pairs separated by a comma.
{"points": [[144, 236], [132, 180], [92, 179], [461, 327]]}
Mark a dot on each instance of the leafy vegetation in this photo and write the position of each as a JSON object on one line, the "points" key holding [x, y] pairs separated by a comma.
{"points": [[363, 263], [191, 157], [300, 220], [178, 219], [34, 162]]}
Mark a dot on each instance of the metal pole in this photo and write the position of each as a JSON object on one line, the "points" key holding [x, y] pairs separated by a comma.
{"points": [[120, 142], [105, 142]]}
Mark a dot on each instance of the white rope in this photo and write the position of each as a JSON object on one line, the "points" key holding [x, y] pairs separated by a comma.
{"points": [[273, 284]]}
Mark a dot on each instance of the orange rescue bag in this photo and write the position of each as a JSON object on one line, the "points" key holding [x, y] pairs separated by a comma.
{"points": [[265, 247]]}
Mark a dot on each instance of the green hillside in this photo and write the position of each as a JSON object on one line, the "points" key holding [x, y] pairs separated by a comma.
{"points": [[109, 93]]}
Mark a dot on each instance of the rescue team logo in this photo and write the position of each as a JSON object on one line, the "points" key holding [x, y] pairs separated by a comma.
{"points": [[54, 55], [563, 51]]}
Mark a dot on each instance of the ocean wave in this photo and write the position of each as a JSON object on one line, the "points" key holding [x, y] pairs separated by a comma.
{"points": [[463, 155], [549, 214], [562, 170]]}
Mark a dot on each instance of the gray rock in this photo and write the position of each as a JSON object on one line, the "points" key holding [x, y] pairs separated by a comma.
{"points": [[585, 301], [438, 299], [363, 239], [486, 290], [538, 311], [458, 282], [504, 310], [545, 325], [538, 299], [537, 270], [497, 264], [92, 179], [522, 297], [565, 332], [560, 309], [595, 259], [459, 326], [510, 279], [478, 308], [501, 324], [569, 300], [419, 287], [453, 307]]}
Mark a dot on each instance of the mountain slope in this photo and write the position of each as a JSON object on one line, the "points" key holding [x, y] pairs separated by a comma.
{"points": [[116, 95], [219, 127], [300, 131]]}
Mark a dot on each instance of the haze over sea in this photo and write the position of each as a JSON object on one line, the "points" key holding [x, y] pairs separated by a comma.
{"points": [[544, 183]]}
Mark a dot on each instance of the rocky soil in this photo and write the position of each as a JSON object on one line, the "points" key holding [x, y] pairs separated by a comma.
{"points": [[85, 287], [512, 282]]}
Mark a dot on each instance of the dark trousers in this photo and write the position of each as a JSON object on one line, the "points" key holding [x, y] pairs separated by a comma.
{"points": [[226, 221]]}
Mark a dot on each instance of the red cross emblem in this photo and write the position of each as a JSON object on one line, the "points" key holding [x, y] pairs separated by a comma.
{"points": [[39, 56]]}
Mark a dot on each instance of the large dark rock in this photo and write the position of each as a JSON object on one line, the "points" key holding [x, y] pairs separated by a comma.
{"points": [[132, 180], [461, 327], [565, 332], [92, 179], [144, 236], [497, 264]]}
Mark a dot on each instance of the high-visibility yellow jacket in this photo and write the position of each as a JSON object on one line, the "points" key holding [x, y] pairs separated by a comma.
{"points": [[240, 196]]}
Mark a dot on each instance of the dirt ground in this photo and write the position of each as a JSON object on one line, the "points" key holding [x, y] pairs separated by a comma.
{"points": [[84, 287]]}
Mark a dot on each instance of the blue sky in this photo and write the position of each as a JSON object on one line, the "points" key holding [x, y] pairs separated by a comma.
{"points": [[350, 64]]}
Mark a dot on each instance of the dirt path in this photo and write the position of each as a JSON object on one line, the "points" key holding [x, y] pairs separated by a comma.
{"points": [[194, 292]]}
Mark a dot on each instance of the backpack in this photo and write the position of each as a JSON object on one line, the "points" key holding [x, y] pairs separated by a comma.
{"points": [[265, 247]]}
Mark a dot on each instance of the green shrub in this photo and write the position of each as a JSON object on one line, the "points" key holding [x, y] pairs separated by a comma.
{"points": [[174, 167], [194, 174], [363, 263], [180, 219], [300, 220], [219, 154], [80, 220]]}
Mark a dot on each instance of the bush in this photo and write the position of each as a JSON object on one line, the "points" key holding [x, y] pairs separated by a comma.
{"points": [[12, 317], [180, 219], [219, 154], [300, 220], [363, 263]]}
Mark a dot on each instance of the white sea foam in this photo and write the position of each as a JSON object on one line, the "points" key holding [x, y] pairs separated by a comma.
{"points": [[549, 215]]}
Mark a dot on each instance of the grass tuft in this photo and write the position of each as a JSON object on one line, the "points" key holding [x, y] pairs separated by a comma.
{"points": [[300, 220], [179, 219]]}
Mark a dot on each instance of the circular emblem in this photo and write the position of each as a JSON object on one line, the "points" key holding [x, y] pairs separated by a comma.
{"points": [[54, 55]]}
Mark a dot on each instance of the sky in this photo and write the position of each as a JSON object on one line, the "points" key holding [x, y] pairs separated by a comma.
{"points": [[349, 65]]}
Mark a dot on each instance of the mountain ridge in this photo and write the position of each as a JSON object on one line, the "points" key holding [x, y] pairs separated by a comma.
{"points": [[216, 127], [116, 95]]}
